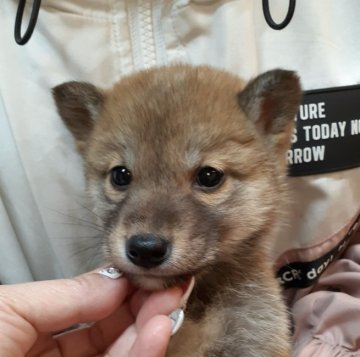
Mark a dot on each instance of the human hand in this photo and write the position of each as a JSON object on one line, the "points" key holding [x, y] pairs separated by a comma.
{"points": [[127, 322]]}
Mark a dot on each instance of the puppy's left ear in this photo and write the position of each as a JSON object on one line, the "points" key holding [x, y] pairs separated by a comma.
{"points": [[271, 101], [79, 104]]}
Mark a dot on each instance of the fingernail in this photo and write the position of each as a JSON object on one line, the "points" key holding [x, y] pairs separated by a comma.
{"points": [[177, 319], [111, 272], [187, 293]]}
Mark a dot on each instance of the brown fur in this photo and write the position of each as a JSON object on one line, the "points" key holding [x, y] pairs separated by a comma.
{"points": [[164, 125]]}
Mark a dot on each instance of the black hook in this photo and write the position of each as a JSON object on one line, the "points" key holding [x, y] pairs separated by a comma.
{"points": [[269, 19], [22, 40]]}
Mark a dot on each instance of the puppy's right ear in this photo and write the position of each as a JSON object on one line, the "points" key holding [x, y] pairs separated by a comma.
{"points": [[79, 104]]}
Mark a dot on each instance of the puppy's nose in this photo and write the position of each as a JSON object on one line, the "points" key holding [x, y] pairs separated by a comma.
{"points": [[147, 250]]}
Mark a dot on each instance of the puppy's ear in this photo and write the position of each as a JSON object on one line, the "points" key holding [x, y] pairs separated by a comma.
{"points": [[271, 101], [79, 104]]}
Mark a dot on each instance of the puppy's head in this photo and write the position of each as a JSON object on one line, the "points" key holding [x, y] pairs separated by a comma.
{"points": [[183, 164]]}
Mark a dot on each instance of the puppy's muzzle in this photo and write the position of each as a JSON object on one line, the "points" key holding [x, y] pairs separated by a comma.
{"points": [[147, 250]]}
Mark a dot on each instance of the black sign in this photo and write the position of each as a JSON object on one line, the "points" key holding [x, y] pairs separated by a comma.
{"points": [[327, 134]]}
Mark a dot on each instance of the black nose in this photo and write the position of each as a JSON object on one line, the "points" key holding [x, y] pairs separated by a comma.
{"points": [[147, 250]]}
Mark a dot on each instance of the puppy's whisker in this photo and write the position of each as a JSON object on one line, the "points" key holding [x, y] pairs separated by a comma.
{"points": [[76, 218], [88, 209], [96, 228], [77, 238], [82, 250]]}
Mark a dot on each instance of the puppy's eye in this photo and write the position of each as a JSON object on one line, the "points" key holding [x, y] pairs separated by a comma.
{"points": [[120, 176], [208, 177]]}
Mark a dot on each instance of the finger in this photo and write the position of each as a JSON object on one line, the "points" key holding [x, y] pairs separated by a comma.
{"points": [[151, 341], [122, 346], [97, 338], [153, 338], [159, 303], [54, 305], [137, 300], [101, 335]]}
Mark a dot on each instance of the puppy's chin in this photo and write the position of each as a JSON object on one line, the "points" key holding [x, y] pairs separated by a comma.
{"points": [[148, 282]]}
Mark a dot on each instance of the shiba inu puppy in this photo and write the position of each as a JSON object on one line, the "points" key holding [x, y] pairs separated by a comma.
{"points": [[185, 167]]}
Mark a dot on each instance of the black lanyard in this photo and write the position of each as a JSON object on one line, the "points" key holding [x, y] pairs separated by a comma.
{"points": [[269, 19], [21, 40]]}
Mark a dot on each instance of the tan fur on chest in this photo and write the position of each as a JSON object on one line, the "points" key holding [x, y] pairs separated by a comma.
{"points": [[185, 167]]}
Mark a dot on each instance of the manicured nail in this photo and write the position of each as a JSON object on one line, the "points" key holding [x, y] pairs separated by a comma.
{"points": [[111, 272], [187, 293], [177, 319]]}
